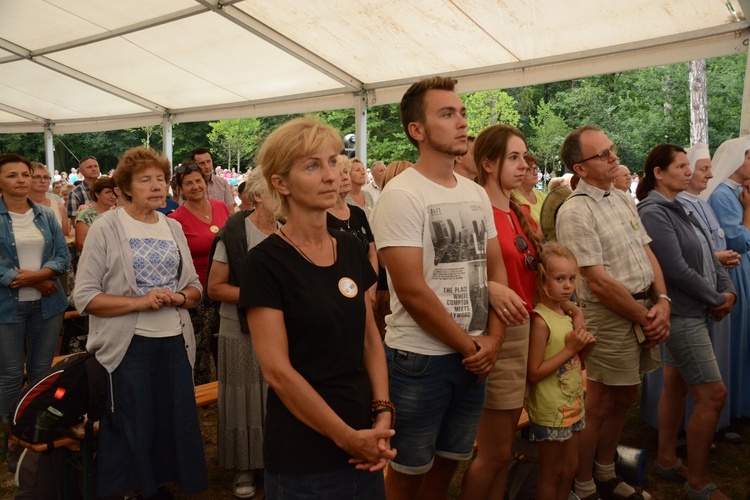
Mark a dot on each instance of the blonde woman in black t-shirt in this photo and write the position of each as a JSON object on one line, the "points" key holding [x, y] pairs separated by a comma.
{"points": [[329, 418]]}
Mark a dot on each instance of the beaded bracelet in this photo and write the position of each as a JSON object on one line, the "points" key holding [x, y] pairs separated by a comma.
{"points": [[382, 406], [184, 301]]}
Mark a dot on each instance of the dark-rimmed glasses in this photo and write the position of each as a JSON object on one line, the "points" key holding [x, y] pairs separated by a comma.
{"points": [[45, 178], [602, 155], [184, 167]]}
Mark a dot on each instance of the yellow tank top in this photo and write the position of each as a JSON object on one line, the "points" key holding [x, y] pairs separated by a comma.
{"points": [[557, 401]]}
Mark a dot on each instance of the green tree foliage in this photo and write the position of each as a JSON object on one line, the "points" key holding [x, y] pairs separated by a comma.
{"points": [[30, 146], [186, 137], [386, 139], [490, 107], [724, 79], [549, 131], [234, 142]]}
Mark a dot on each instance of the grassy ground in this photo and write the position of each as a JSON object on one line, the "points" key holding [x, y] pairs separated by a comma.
{"points": [[730, 463]]}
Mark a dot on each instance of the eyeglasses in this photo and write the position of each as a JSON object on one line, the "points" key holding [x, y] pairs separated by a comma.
{"points": [[45, 178], [523, 246], [184, 167], [532, 170], [603, 155]]}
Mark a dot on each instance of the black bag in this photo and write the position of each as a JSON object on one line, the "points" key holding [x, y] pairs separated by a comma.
{"points": [[59, 399]]}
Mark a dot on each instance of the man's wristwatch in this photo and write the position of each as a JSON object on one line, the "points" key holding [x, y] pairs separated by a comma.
{"points": [[665, 297]]}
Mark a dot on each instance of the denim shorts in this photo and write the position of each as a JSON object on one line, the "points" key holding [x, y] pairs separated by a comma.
{"points": [[438, 407], [561, 434], [689, 349], [341, 483]]}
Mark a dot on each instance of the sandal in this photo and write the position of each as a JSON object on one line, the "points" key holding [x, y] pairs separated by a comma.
{"points": [[670, 473], [607, 490], [704, 494]]}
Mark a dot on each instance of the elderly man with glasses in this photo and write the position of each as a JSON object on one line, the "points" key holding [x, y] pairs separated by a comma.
{"points": [[624, 301]]}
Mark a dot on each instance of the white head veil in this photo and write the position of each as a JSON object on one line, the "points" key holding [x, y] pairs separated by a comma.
{"points": [[727, 159], [699, 151]]}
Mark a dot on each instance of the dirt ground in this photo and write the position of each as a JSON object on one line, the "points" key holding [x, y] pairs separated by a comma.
{"points": [[730, 464]]}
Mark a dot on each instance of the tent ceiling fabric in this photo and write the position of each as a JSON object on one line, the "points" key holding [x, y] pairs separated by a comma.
{"points": [[87, 65]]}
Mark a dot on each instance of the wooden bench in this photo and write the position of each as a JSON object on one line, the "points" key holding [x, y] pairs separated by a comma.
{"points": [[207, 394]]}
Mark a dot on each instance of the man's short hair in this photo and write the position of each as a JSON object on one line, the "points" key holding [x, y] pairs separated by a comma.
{"points": [[80, 162], [570, 153], [198, 151], [411, 108]]}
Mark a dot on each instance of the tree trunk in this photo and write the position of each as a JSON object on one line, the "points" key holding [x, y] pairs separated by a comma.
{"points": [[698, 102]]}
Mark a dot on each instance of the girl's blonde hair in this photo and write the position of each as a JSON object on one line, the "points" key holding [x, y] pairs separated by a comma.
{"points": [[550, 250], [294, 139]]}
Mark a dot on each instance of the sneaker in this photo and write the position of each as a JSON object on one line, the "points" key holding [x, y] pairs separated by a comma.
{"points": [[244, 485]]}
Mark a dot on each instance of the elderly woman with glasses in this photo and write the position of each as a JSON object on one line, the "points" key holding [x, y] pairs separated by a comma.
{"points": [[201, 219], [136, 281], [38, 190], [526, 195], [500, 154]]}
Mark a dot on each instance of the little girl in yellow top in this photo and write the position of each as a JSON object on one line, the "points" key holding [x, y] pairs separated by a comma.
{"points": [[555, 402]]}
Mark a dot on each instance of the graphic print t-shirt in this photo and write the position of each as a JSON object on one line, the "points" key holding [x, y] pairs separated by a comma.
{"points": [[452, 226]]}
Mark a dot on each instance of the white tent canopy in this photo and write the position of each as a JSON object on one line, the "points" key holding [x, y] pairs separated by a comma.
{"points": [[71, 66]]}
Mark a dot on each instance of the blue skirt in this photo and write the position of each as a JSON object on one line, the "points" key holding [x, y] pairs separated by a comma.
{"points": [[150, 433]]}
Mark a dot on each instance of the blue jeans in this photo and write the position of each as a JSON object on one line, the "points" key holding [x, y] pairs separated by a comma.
{"points": [[40, 337], [438, 407], [339, 484]]}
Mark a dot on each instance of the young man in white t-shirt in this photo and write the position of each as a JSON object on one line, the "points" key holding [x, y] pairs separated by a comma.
{"points": [[437, 238]]}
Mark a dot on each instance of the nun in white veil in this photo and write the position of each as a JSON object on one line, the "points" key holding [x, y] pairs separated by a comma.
{"points": [[728, 193], [700, 164]]}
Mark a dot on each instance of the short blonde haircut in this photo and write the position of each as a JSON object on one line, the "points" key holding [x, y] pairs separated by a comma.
{"points": [[136, 160], [294, 139]]}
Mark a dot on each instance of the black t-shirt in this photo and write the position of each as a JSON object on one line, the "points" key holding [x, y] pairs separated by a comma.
{"points": [[357, 225], [325, 332]]}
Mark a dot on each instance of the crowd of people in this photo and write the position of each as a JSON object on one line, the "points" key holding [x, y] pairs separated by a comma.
{"points": [[367, 335]]}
